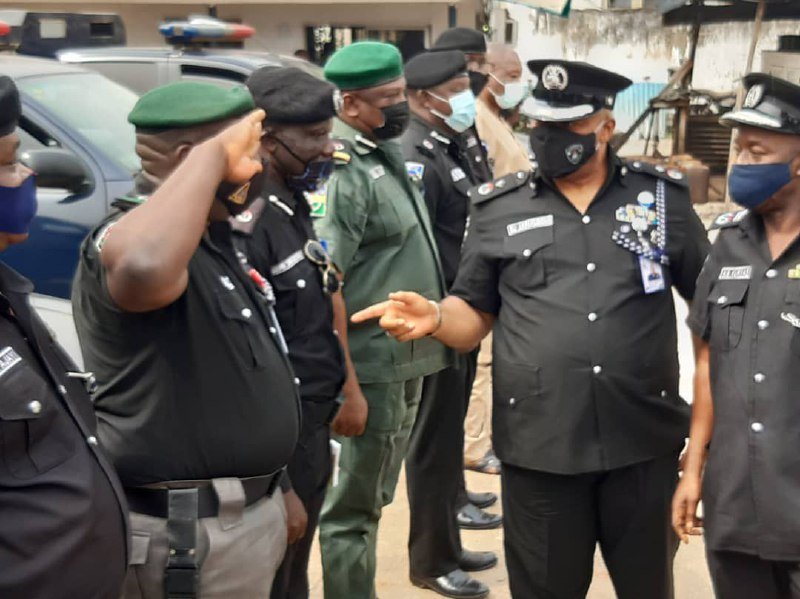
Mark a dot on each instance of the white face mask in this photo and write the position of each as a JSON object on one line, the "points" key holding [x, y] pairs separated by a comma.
{"points": [[514, 92]]}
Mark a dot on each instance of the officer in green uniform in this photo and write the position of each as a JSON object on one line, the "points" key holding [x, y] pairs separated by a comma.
{"points": [[375, 224]]}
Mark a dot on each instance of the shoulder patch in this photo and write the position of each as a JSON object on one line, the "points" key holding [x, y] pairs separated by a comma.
{"points": [[728, 219], [415, 171], [671, 174], [494, 189]]}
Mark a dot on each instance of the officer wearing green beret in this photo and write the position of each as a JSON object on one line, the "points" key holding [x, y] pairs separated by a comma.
{"points": [[375, 224], [197, 403]]}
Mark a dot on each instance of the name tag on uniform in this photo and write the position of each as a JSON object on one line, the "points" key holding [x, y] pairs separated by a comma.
{"points": [[8, 359], [652, 275], [457, 175], [528, 224], [736, 273], [376, 172]]}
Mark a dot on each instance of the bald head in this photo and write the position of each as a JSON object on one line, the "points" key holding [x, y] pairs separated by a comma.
{"points": [[504, 61]]}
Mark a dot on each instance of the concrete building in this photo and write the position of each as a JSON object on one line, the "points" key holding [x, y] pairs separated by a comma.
{"points": [[283, 26]]}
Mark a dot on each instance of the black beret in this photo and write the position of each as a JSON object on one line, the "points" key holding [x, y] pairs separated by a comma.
{"points": [[429, 69], [467, 40], [571, 91], [292, 96], [771, 103], [10, 107]]}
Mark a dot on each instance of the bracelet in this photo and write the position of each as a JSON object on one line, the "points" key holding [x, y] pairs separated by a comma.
{"points": [[438, 307]]}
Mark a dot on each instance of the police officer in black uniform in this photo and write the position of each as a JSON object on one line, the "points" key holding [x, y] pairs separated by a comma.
{"points": [[746, 321], [442, 107], [573, 267], [278, 238], [473, 44], [197, 401], [62, 515]]}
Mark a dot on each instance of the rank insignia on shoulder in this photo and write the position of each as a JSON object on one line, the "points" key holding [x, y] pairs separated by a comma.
{"points": [[318, 201], [661, 171], [728, 219], [415, 171], [498, 187], [794, 273], [341, 157]]}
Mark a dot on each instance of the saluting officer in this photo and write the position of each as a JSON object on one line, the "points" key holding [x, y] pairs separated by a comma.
{"points": [[377, 229], [442, 108], [197, 402], [278, 239], [573, 266], [746, 321], [62, 510]]}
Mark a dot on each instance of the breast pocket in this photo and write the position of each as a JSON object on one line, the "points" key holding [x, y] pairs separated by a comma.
{"points": [[791, 314], [296, 290], [396, 211], [36, 434], [246, 334], [727, 299], [527, 251]]}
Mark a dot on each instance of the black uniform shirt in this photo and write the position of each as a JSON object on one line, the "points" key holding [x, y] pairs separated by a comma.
{"points": [[61, 507], [442, 167], [274, 232], [748, 308], [198, 389], [585, 363], [472, 147]]}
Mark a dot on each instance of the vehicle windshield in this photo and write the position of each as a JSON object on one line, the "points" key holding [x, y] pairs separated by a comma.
{"points": [[94, 106]]}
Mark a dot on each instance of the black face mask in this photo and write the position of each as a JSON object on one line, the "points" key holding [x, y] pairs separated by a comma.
{"points": [[561, 152], [315, 174], [237, 197], [395, 121], [477, 81]]}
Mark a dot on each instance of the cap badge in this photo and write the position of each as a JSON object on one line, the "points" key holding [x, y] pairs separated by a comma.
{"points": [[574, 153], [754, 96], [555, 77], [239, 196]]}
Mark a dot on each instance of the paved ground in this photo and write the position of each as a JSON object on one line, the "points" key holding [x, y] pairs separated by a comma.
{"points": [[691, 575]]}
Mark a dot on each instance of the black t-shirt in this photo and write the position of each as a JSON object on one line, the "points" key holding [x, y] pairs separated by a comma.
{"points": [[273, 234], [747, 307], [585, 363], [61, 506], [198, 389]]}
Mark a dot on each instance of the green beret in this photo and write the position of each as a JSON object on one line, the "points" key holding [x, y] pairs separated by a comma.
{"points": [[364, 64], [188, 104]]}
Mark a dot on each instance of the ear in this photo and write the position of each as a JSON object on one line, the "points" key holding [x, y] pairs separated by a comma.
{"points": [[607, 132], [180, 153], [422, 97], [268, 145], [350, 105]]}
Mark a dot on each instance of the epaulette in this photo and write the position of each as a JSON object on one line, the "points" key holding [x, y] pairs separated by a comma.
{"points": [[728, 219], [503, 185], [341, 152], [427, 148], [671, 174], [245, 221]]}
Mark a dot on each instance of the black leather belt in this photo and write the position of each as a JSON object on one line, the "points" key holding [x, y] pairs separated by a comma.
{"points": [[155, 502]]}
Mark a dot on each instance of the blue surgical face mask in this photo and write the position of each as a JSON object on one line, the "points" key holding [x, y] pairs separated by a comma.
{"points": [[315, 173], [18, 207], [514, 92], [751, 185], [462, 111]]}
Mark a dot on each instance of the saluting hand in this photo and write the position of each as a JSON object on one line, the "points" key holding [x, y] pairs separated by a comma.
{"points": [[684, 508], [405, 316], [240, 143]]}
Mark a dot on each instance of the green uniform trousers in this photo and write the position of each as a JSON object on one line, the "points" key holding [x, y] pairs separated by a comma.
{"points": [[369, 469]]}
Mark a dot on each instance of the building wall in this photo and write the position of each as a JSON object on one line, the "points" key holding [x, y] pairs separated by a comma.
{"points": [[279, 28], [636, 44]]}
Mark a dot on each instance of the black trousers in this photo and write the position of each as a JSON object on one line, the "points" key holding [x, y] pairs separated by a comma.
{"points": [[435, 470], [553, 523], [741, 576], [309, 470]]}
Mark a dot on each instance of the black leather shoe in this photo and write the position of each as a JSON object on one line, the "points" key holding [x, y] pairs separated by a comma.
{"points": [[481, 500], [474, 518], [475, 561], [457, 584]]}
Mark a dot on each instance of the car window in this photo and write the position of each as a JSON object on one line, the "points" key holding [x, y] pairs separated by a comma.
{"points": [[141, 77], [94, 106], [216, 76]]}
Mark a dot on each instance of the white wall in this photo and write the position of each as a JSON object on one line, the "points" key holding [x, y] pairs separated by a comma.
{"points": [[636, 44]]}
